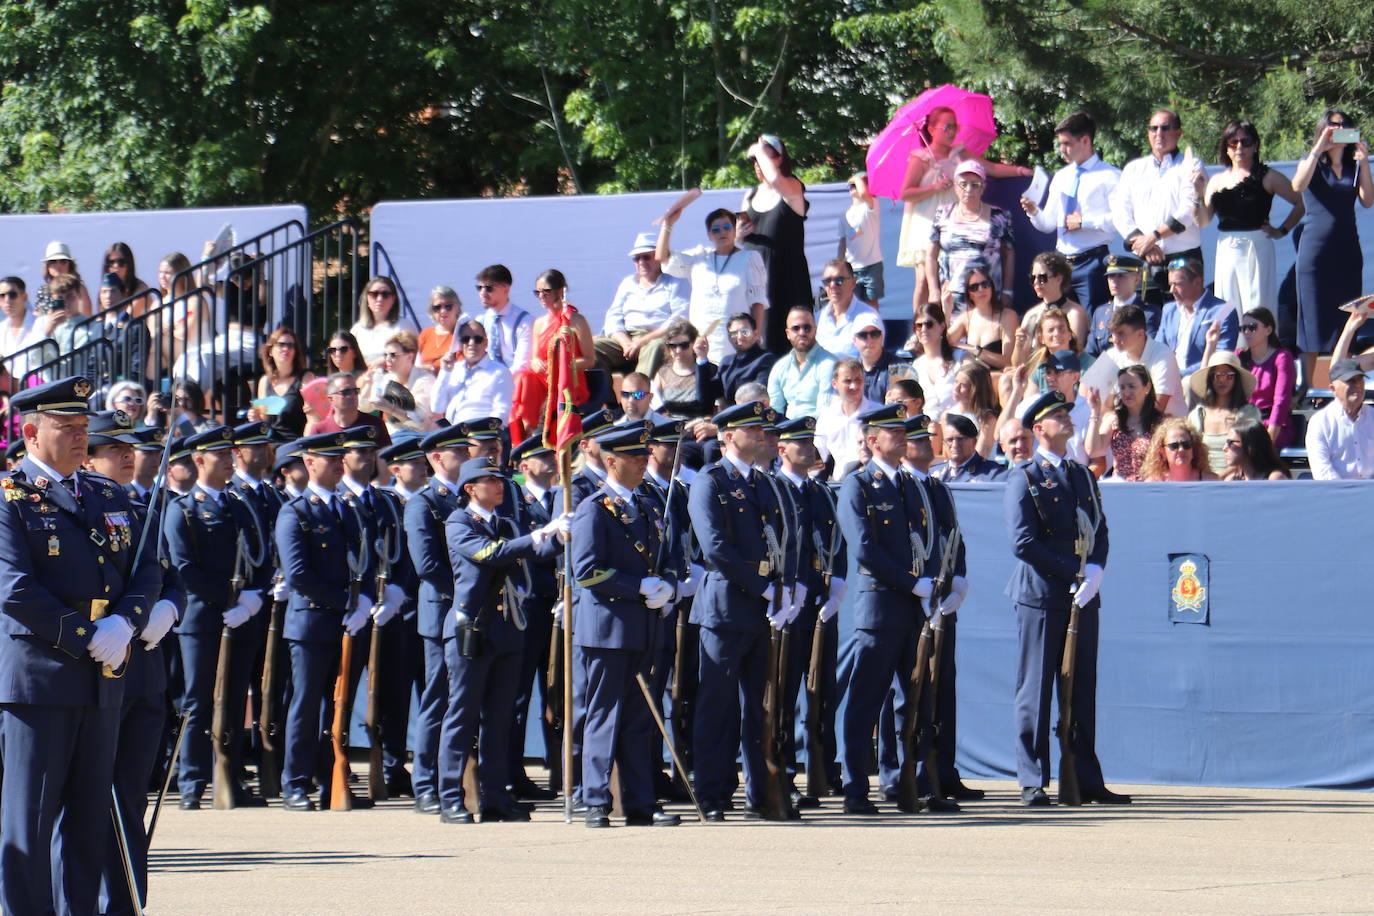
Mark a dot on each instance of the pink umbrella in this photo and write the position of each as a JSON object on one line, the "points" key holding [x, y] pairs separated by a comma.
{"points": [[888, 154]]}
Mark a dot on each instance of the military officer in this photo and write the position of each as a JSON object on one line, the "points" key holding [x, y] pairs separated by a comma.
{"points": [[289, 467], [181, 470], [536, 509], [14, 453], [821, 571], [482, 645], [425, 516], [111, 443], [320, 540], [887, 534], [1059, 538], [738, 523], [214, 536], [616, 538], [74, 592], [147, 461]]}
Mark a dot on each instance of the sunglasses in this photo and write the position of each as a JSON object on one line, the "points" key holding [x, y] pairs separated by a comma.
{"points": [[723, 227], [117, 262], [741, 332], [833, 281], [981, 284], [647, 256], [1234, 443], [1249, 327], [679, 345], [379, 294], [1335, 123], [485, 287], [344, 393], [471, 339], [130, 399], [1223, 373], [10, 294], [285, 345], [1179, 446], [442, 307], [634, 395], [922, 325], [869, 334], [392, 356], [335, 351], [1245, 142], [541, 293], [801, 328], [1177, 264], [851, 185], [1156, 128], [1041, 278]]}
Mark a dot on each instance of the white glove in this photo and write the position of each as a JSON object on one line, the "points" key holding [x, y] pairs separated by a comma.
{"points": [[237, 616], [160, 620], [923, 588], [958, 590], [829, 609], [251, 599], [1092, 581], [390, 606], [650, 586], [558, 614], [837, 587], [111, 639], [559, 528], [660, 596], [355, 621], [779, 619], [280, 591], [694, 580], [798, 601]]}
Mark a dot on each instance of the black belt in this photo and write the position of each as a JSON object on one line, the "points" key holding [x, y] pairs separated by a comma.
{"points": [[1096, 252]]}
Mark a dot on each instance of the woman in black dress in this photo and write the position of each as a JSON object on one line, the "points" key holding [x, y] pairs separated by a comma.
{"points": [[774, 226]]}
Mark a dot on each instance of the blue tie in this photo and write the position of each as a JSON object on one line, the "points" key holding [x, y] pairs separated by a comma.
{"points": [[1071, 205], [494, 332]]}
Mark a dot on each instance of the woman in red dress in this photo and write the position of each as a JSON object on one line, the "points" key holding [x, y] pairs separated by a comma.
{"points": [[532, 384]]}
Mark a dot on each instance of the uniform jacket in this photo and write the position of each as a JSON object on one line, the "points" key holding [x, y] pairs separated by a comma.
{"points": [[813, 529], [55, 557], [615, 546], [946, 515], [976, 470], [146, 675], [314, 543], [483, 554], [541, 575], [202, 543], [729, 515], [425, 515], [1042, 521], [878, 515]]}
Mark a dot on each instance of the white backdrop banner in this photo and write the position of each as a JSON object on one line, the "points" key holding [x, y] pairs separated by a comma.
{"points": [[587, 237], [151, 234]]}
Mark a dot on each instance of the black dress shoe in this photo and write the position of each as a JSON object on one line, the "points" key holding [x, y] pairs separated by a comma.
{"points": [[428, 803], [189, 803], [245, 799], [578, 805], [960, 792], [806, 801], [859, 806], [651, 819], [512, 813], [357, 803], [714, 814], [1105, 797], [889, 793], [938, 805], [527, 788], [400, 786], [1034, 797], [598, 816], [298, 801], [455, 814]]}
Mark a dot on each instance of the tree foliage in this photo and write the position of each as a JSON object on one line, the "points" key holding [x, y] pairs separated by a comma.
{"points": [[155, 103]]}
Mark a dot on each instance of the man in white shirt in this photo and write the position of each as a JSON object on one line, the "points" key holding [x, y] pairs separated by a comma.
{"points": [[839, 431], [1132, 345], [1152, 207], [18, 327], [799, 382], [1079, 207], [644, 304], [508, 326], [471, 384], [836, 321], [861, 240], [1340, 436]]}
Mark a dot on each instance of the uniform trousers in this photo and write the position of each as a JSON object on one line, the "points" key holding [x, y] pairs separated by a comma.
{"points": [[1040, 647], [140, 728], [867, 668], [481, 707], [433, 704], [618, 729], [200, 656], [729, 715]]}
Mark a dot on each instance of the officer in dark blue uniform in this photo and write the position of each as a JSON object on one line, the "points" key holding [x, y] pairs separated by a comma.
{"points": [[482, 644], [1054, 513], [111, 443], [74, 592], [589, 478], [14, 453], [289, 468], [213, 534], [821, 571], [535, 509], [403, 661], [738, 524], [887, 533], [973, 469], [320, 540], [616, 537], [951, 590], [425, 516], [1123, 277]]}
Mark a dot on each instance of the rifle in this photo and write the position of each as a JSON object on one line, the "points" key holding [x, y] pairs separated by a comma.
{"points": [[269, 769], [1069, 793], [339, 797], [929, 727], [221, 728], [776, 804], [376, 777], [553, 702], [908, 795], [817, 779]]}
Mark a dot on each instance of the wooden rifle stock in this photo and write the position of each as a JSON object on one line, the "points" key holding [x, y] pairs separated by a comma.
{"points": [[1069, 793], [775, 804], [376, 776], [908, 797], [222, 730], [269, 769], [339, 797], [817, 780]]}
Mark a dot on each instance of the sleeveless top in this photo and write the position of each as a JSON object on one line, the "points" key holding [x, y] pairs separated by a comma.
{"points": [[292, 416], [1245, 206], [1128, 454], [541, 350]]}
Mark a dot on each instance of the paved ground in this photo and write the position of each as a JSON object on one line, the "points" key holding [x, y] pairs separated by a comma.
{"points": [[1177, 850]]}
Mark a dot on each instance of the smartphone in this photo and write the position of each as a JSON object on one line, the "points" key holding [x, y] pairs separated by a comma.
{"points": [[58, 305], [1345, 135]]}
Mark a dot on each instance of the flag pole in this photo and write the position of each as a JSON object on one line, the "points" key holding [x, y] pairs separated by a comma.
{"points": [[569, 719]]}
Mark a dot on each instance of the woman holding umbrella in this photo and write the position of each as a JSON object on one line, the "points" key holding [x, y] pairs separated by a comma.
{"points": [[929, 184]]}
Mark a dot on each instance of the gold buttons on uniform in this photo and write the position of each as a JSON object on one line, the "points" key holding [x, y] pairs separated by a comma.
{"points": [[100, 560]]}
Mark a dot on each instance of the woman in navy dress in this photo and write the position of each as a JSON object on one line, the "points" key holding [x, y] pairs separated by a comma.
{"points": [[1330, 179]]}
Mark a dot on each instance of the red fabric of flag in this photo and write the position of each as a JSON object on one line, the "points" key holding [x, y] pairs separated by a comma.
{"points": [[562, 422]]}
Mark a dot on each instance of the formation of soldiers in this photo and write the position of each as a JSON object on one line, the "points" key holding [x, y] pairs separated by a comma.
{"points": [[705, 625]]}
